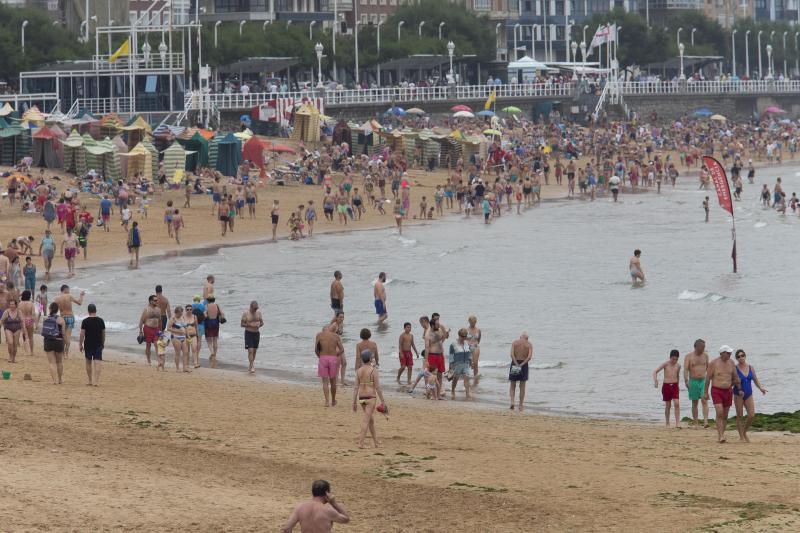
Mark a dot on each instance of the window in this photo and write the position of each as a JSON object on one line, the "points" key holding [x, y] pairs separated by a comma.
{"points": [[364, 19], [382, 17], [383, 2], [528, 6], [482, 5], [132, 16], [373, 19]]}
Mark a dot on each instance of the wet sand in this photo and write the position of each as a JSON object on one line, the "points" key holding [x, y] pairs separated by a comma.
{"points": [[217, 450]]}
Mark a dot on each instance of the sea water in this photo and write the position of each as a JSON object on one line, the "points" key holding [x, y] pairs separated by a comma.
{"points": [[558, 272]]}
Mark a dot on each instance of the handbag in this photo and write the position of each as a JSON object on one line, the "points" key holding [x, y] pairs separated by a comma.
{"points": [[449, 375]]}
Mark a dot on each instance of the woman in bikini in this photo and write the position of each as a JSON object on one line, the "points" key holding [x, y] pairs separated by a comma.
{"points": [[28, 311], [192, 341], [177, 328], [474, 341], [12, 323], [366, 389]]}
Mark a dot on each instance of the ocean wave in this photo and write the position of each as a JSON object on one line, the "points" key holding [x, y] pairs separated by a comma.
{"points": [[454, 250], [407, 242], [691, 295], [111, 325], [759, 224], [505, 364]]}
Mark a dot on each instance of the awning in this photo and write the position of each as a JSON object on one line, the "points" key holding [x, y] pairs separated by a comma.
{"points": [[259, 64], [526, 63], [424, 62]]}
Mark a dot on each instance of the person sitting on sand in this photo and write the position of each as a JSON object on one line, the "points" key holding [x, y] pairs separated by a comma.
{"points": [[669, 389], [367, 391], [319, 514]]}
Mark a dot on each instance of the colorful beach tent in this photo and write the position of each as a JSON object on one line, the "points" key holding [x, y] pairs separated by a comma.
{"points": [[74, 154], [137, 130], [229, 155], [138, 159], [153, 155], [122, 148], [34, 116], [197, 145], [253, 151], [12, 147], [213, 149], [94, 159], [6, 110], [174, 159], [110, 125], [46, 149], [111, 166]]}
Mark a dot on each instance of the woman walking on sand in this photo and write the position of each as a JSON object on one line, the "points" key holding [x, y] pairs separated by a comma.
{"points": [[134, 243], [11, 321], [28, 311], [474, 340], [177, 328], [747, 376], [53, 333], [398, 215], [367, 391]]}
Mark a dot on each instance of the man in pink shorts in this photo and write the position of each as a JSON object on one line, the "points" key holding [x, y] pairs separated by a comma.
{"points": [[329, 350]]}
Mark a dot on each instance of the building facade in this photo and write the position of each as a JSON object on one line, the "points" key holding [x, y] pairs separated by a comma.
{"points": [[275, 10]]}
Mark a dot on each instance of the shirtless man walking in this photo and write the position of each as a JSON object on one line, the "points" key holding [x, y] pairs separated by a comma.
{"points": [[252, 321], [695, 367], [380, 297], [635, 266], [163, 305], [337, 293], [150, 325], [329, 350], [721, 378], [521, 356], [208, 287], [319, 514], [65, 301]]}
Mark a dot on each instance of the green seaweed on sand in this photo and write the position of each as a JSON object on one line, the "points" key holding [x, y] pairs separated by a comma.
{"points": [[789, 422]]}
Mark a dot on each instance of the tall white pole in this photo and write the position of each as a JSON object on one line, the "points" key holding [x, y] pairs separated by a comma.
{"points": [[760, 76], [515, 41], [24, 23], [333, 36], [747, 54], [379, 52], [216, 26], [733, 53], [355, 35]]}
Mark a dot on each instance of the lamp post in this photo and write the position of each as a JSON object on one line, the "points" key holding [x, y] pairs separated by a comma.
{"points": [[584, 33], [355, 46], [534, 30], [692, 35], [241, 25], [379, 51], [574, 60], [399, 25], [441, 24], [24, 24], [419, 29], [311, 30], [318, 48], [450, 48], [759, 53], [216, 26], [616, 42], [679, 36], [496, 40], [583, 59], [264, 26], [747, 54], [769, 61], [83, 31], [162, 52], [796, 55], [733, 53], [785, 76], [110, 23], [516, 26], [680, 51]]}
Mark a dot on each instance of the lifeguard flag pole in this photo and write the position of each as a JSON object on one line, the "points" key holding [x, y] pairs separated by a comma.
{"points": [[720, 180]]}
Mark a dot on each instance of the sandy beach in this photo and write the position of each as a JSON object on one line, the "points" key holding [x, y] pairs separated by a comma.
{"points": [[220, 451]]}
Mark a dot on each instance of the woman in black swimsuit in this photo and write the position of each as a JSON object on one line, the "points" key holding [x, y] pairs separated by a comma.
{"points": [[12, 322]]}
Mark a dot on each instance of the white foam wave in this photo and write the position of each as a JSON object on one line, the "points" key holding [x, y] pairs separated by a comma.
{"points": [[759, 224], [407, 242], [454, 250], [699, 295], [504, 364]]}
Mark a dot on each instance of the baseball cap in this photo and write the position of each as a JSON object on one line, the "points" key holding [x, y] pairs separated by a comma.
{"points": [[725, 349]]}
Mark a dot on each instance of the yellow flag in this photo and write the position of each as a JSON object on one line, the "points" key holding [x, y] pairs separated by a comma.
{"points": [[490, 100], [123, 50]]}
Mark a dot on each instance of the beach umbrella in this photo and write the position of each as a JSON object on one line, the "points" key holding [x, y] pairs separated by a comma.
{"points": [[415, 111], [461, 107], [491, 132], [396, 111], [511, 109], [774, 109], [463, 114], [485, 113], [702, 112], [718, 118]]}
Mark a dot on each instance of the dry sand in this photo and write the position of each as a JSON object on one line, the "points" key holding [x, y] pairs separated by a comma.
{"points": [[222, 451]]}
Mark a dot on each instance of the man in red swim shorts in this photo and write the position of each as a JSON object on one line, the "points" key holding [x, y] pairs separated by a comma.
{"points": [[406, 344], [436, 336], [721, 377], [670, 392], [150, 325]]}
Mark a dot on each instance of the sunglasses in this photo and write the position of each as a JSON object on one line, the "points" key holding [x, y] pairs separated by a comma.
{"points": [[741, 356]]}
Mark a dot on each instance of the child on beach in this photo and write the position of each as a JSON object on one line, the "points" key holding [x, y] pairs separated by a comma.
{"points": [[161, 350], [669, 389], [431, 383], [41, 303]]}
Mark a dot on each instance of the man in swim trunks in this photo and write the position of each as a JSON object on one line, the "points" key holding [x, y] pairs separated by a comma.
{"points": [[337, 293], [695, 367], [150, 325], [670, 393], [329, 350], [208, 288], [65, 301], [405, 346], [435, 339], [252, 321], [163, 304], [521, 356], [721, 377], [214, 317], [379, 292], [320, 513], [635, 266]]}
